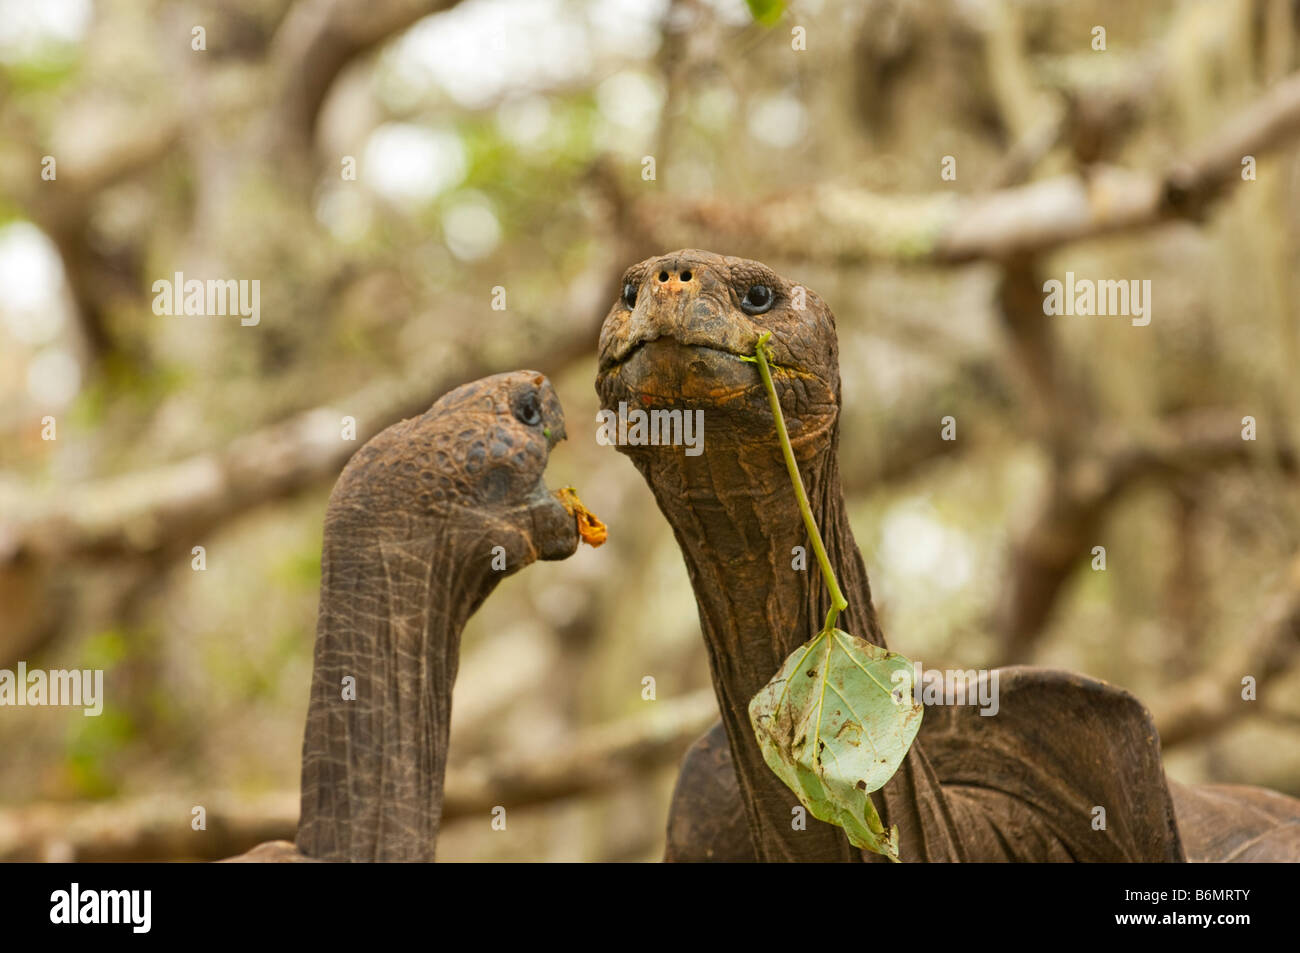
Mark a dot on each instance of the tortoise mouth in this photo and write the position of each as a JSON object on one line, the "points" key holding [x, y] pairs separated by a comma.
{"points": [[663, 371], [554, 530], [610, 363]]}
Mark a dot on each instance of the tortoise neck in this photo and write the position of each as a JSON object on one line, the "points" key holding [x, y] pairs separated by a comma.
{"points": [[387, 650], [760, 596]]}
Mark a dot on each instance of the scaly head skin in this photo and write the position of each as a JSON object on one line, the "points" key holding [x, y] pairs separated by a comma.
{"points": [[471, 466], [678, 336], [425, 520]]}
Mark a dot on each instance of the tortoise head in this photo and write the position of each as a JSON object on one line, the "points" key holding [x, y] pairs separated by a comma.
{"points": [[467, 472], [678, 335]]}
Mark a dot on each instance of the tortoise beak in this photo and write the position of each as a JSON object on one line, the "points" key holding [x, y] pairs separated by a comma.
{"points": [[666, 372], [555, 529]]}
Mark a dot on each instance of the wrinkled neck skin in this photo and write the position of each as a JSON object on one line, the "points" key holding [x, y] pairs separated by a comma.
{"points": [[391, 616], [734, 514]]}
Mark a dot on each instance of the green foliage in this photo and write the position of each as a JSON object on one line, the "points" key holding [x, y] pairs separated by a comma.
{"points": [[262, 681], [300, 568], [94, 743], [92, 747], [766, 12], [41, 75], [834, 725], [104, 649], [123, 390]]}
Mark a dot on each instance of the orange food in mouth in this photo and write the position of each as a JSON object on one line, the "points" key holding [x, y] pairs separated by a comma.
{"points": [[591, 530]]}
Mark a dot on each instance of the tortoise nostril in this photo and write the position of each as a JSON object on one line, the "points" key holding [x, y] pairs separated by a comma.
{"points": [[686, 275], [663, 276]]}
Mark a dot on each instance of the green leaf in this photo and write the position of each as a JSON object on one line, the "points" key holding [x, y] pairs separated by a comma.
{"points": [[834, 724], [766, 12], [837, 720]]}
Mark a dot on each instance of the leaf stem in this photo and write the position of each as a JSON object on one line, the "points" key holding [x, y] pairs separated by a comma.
{"points": [[838, 602]]}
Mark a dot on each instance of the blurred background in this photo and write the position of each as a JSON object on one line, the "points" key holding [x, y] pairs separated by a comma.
{"points": [[380, 167]]}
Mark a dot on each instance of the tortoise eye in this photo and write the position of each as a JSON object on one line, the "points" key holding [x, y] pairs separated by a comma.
{"points": [[758, 299], [629, 295], [528, 409]]}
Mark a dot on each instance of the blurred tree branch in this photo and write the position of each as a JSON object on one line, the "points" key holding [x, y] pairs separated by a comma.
{"points": [[1212, 700], [836, 223], [1082, 491], [63, 207], [158, 828], [314, 43], [138, 513]]}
